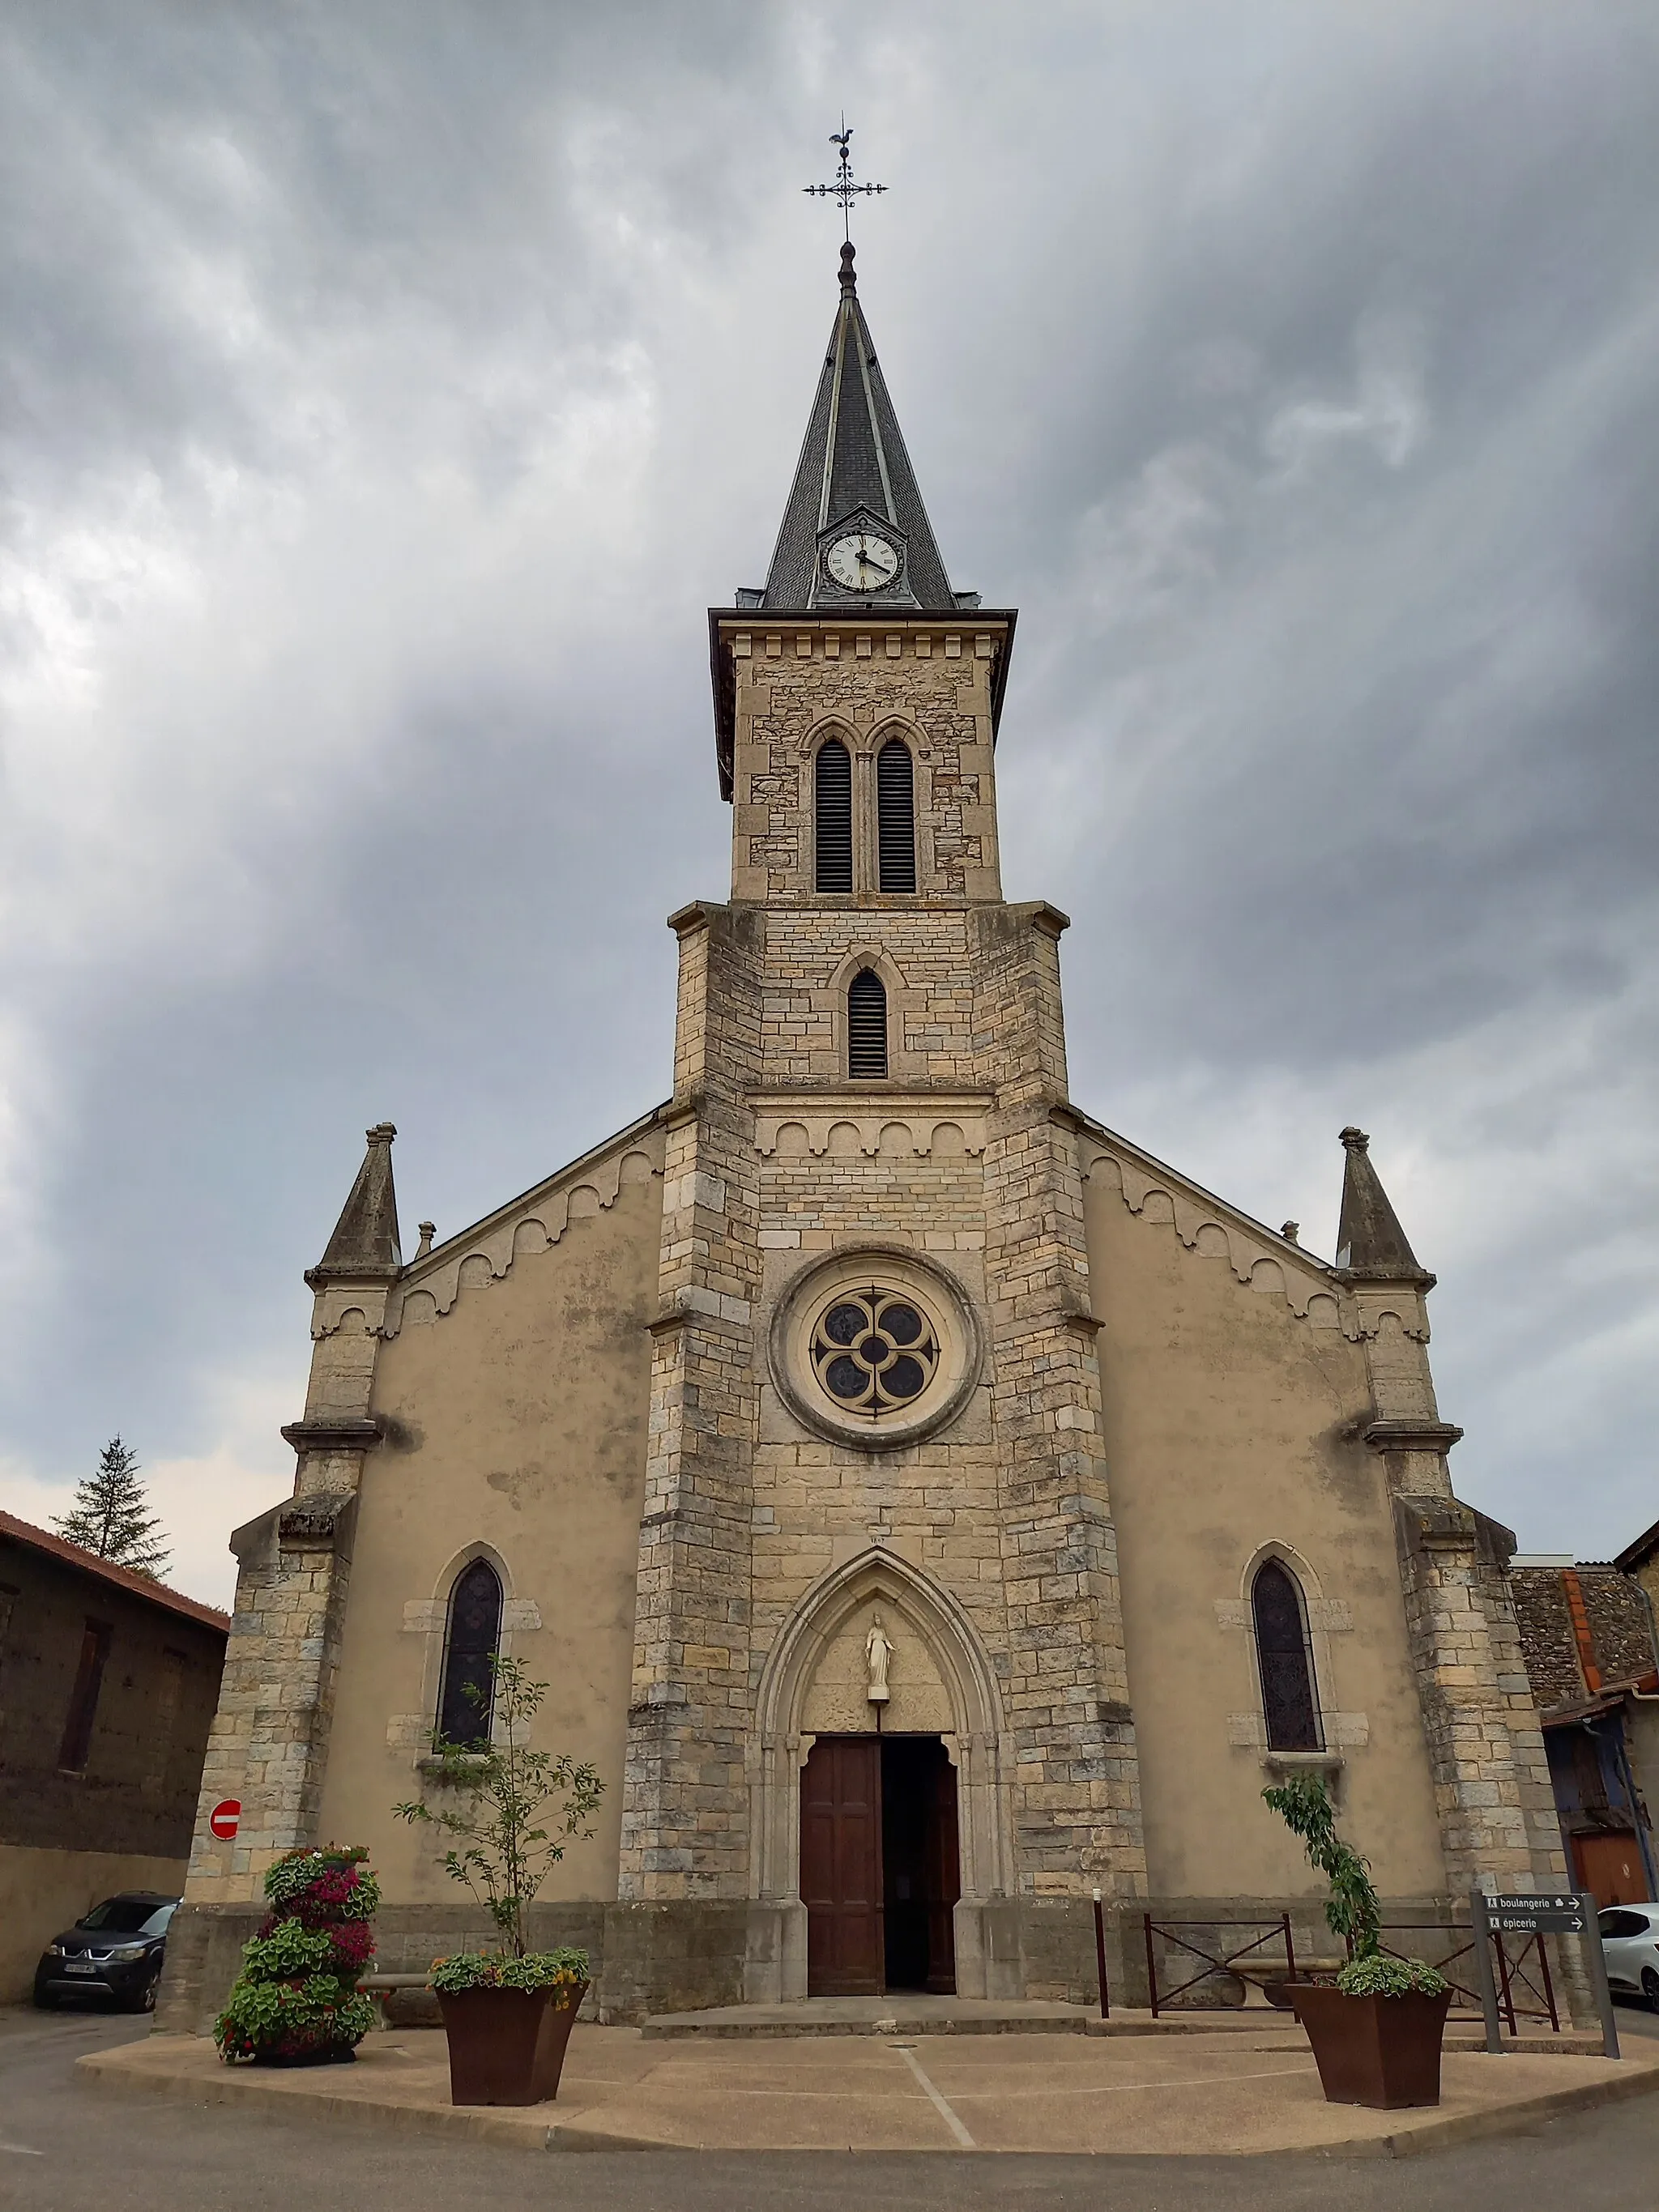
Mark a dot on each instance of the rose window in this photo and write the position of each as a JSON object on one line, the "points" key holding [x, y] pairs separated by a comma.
{"points": [[874, 1351]]}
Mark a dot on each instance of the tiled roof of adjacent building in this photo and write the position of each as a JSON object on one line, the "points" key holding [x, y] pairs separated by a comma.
{"points": [[75, 1555]]}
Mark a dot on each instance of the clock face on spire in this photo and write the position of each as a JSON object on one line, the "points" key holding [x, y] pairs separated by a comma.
{"points": [[862, 561]]}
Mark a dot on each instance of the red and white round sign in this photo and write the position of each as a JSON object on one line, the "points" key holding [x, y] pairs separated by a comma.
{"points": [[223, 1818]]}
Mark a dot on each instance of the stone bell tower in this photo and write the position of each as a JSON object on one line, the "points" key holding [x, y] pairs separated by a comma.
{"points": [[870, 1119]]}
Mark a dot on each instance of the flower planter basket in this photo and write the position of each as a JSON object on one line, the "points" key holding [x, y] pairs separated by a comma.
{"points": [[295, 2002], [1380, 2050], [508, 2046]]}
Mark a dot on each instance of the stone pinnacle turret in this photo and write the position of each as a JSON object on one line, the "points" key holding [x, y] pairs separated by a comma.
{"points": [[1370, 1240]]}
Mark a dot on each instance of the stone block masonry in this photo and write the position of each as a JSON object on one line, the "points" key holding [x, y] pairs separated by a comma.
{"points": [[683, 1797], [967, 1153]]}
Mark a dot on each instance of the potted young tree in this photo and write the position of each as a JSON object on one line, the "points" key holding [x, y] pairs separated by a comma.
{"points": [[1376, 2031], [508, 2012], [295, 2002]]}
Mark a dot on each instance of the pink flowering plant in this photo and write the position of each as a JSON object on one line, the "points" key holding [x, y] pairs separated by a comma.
{"points": [[296, 1997]]}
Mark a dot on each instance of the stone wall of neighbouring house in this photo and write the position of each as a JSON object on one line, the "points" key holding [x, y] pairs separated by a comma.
{"points": [[1620, 1631], [1614, 1616], [136, 1797], [1547, 1642]]}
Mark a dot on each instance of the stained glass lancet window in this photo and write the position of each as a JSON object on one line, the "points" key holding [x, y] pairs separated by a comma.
{"points": [[1286, 1662], [474, 1636]]}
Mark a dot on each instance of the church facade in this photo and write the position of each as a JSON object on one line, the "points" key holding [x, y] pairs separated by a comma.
{"points": [[926, 1508]]}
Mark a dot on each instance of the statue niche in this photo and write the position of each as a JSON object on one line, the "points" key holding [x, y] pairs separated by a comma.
{"points": [[864, 1670]]}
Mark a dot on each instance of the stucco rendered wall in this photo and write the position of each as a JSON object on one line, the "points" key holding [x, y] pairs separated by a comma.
{"points": [[43, 1892], [518, 1426], [1231, 1424]]}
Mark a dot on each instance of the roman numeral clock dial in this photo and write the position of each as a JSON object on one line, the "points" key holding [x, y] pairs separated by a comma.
{"points": [[862, 562]]}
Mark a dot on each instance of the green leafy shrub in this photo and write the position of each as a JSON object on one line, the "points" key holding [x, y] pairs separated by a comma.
{"points": [[1353, 1909], [291, 1949], [560, 1971], [1375, 1975], [296, 1994]]}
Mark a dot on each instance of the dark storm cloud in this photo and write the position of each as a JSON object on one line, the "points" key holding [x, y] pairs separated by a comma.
{"points": [[386, 392]]}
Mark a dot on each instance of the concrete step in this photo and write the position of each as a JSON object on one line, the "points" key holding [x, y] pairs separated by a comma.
{"points": [[899, 2016], [894, 2014]]}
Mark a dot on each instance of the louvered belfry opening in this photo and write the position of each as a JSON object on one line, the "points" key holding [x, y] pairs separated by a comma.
{"points": [[475, 1635], [866, 1026], [1281, 1641], [833, 816], [895, 817]]}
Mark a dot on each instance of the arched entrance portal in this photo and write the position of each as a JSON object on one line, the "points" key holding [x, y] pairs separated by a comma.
{"points": [[878, 1824]]}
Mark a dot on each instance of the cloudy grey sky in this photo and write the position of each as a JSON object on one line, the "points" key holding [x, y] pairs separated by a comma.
{"points": [[387, 390]]}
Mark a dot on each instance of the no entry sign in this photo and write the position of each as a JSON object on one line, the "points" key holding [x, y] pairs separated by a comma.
{"points": [[223, 1818]]}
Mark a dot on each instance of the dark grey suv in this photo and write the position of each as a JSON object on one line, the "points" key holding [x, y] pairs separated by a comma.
{"points": [[113, 1951]]}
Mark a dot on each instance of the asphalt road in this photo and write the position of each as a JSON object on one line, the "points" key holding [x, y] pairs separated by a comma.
{"points": [[66, 2146]]}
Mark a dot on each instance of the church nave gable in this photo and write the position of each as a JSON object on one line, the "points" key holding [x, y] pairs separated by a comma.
{"points": [[481, 1256]]}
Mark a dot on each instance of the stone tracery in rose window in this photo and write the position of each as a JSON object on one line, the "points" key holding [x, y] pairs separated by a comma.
{"points": [[874, 1351]]}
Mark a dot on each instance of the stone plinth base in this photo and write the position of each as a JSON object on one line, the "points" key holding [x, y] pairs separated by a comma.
{"points": [[694, 1955]]}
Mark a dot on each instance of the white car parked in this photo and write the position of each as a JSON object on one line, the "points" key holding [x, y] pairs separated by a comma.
{"points": [[1630, 1944]]}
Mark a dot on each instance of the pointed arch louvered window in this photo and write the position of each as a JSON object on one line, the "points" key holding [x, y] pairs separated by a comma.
{"points": [[866, 1025], [832, 817], [473, 1638], [1285, 1658], [895, 817]]}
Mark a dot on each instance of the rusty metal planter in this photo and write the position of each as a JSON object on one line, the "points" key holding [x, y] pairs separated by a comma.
{"points": [[1375, 2050], [508, 2046]]}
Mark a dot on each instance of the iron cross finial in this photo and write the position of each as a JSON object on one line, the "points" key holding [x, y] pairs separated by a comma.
{"points": [[844, 191]]}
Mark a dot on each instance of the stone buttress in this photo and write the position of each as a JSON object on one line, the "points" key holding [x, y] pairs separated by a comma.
{"points": [[1491, 1777], [268, 1751]]}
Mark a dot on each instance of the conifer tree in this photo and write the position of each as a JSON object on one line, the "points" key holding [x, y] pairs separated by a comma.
{"points": [[108, 1516]]}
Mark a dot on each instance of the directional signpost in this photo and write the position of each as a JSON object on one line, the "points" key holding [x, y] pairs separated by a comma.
{"points": [[1540, 1912], [1553, 1912]]}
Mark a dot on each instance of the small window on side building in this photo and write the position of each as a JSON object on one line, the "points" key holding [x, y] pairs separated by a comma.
{"points": [[76, 1746]]}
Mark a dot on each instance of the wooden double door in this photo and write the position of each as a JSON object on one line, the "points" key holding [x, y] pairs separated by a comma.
{"points": [[879, 1869]]}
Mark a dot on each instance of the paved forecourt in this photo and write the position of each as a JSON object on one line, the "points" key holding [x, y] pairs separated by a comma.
{"points": [[1230, 2093]]}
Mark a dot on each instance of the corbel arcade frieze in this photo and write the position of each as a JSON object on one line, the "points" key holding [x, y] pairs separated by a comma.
{"points": [[1259, 1260], [485, 1255], [943, 1126]]}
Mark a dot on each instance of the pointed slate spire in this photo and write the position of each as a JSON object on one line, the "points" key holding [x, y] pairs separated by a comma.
{"points": [[365, 1239], [1370, 1240], [853, 462]]}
